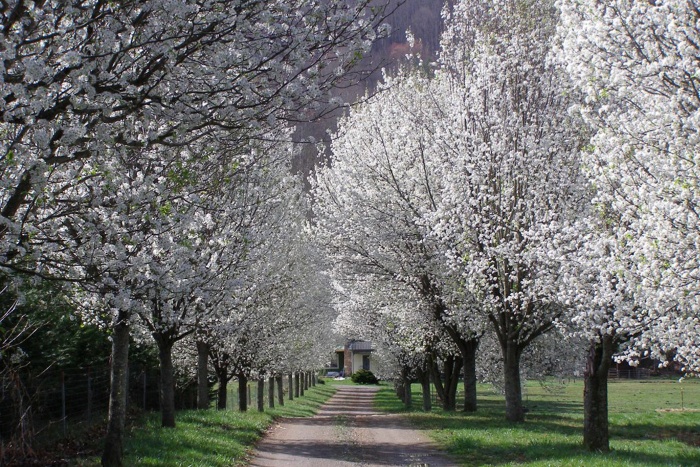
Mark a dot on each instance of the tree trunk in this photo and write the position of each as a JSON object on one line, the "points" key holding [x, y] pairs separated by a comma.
{"points": [[447, 391], [453, 366], [406, 383], [408, 398], [271, 392], [511, 372], [222, 392], [399, 388], [424, 379], [595, 395], [469, 349], [167, 382], [302, 382], [242, 393], [296, 384], [291, 386], [313, 378], [261, 394], [113, 453], [280, 390], [202, 375]]}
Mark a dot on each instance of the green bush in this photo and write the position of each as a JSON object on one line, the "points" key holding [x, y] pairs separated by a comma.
{"points": [[364, 377]]}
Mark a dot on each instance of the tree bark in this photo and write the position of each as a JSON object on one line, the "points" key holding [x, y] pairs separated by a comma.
{"points": [[313, 378], [511, 372], [469, 349], [302, 382], [291, 386], [408, 398], [424, 379], [167, 382], [222, 392], [113, 453], [261, 394], [399, 388], [242, 392], [447, 391], [202, 375], [406, 386], [280, 390], [296, 384], [271, 392], [595, 395]]}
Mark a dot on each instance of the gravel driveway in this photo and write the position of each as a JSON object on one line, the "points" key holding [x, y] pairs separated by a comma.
{"points": [[347, 432]]}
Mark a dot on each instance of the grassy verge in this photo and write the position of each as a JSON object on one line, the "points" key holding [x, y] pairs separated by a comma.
{"points": [[213, 438], [652, 423], [208, 438]]}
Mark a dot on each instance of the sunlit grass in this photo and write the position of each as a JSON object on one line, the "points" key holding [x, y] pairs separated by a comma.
{"points": [[647, 426], [213, 438], [209, 438]]}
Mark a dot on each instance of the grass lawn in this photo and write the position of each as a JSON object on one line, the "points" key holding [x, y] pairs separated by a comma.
{"points": [[652, 423]]}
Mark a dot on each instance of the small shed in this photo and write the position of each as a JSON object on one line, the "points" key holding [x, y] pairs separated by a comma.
{"points": [[357, 355]]}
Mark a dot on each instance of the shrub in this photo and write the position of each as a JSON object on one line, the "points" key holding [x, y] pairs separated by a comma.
{"points": [[364, 377]]}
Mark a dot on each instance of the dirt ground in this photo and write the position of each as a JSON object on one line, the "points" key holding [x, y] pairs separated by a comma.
{"points": [[347, 432]]}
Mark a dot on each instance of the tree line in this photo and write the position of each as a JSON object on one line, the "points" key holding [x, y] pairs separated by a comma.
{"points": [[145, 151], [529, 197]]}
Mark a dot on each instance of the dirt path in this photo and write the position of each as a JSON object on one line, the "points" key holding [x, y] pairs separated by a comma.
{"points": [[347, 431]]}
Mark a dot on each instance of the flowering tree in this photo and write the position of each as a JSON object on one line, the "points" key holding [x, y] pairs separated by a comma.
{"points": [[374, 203], [89, 82], [511, 178], [93, 78], [636, 65]]}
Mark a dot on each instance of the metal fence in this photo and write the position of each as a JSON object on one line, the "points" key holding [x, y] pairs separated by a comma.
{"points": [[50, 403], [40, 408]]}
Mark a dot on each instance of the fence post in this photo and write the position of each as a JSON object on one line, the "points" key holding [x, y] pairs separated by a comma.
{"points": [[89, 397], [143, 377], [63, 402]]}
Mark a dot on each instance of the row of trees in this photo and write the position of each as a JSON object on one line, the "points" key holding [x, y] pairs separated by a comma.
{"points": [[145, 164], [540, 177]]}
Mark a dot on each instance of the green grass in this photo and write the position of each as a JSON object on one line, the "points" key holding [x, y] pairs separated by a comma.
{"points": [[208, 438], [213, 438], [647, 426]]}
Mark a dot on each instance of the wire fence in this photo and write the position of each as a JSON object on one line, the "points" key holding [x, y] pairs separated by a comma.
{"points": [[38, 408]]}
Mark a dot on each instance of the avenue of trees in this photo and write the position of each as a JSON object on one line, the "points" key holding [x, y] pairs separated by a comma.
{"points": [[540, 179], [536, 183], [145, 163]]}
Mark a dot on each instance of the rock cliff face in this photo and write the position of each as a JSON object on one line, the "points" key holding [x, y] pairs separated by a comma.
{"points": [[421, 17]]}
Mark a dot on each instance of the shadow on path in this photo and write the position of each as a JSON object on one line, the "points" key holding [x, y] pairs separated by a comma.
{"points": [[347, 431]]}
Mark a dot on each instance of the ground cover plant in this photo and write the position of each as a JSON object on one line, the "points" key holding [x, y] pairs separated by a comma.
{"points": [[654, 422]]}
